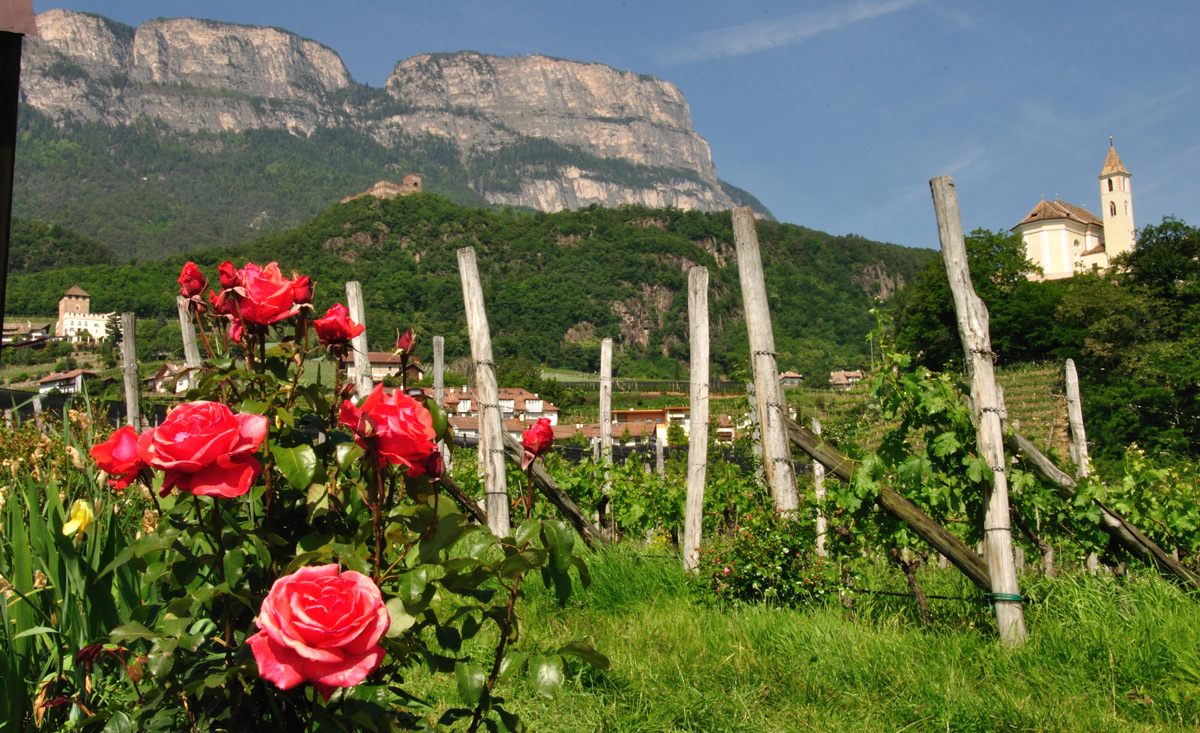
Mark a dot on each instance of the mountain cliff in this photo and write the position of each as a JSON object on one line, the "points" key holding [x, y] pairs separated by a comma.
{"points": [[530, 131]]}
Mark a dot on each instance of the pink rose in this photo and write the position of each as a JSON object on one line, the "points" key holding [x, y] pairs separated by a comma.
{"points": [[336, 327], [398, 428], [268, 296], [118, 457], [191, 281], [205, 449], [322, 627]]}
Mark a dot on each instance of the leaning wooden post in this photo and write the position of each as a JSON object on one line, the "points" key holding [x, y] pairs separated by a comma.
{"points": [[660, 466], [777, 454], [363, 384], [972, 319], [491, 421], [191, 349], [693, 518], [129, 371], [607, 523], [819, 491]]}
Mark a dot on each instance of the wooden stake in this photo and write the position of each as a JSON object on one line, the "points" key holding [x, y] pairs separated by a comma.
{"points": [[607, 523], [191, 348], [439, 393], [777, 455], [972, 319], [129, 370], [1079, 449], [693, 521], [363, 383], [660, 466], [491, 421], [819, 492]]}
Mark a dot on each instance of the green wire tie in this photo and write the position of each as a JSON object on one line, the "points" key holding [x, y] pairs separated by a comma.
{"points": [[1009, 597]]}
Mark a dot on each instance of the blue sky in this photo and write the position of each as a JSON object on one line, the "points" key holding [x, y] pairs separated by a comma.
{"points": [[836, 113]]}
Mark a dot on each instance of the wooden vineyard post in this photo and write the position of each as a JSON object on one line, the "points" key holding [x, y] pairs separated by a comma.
{"points": [[363, 384], [660, 466], [777, 454], [491, 421], [693, 518], [129, 370], [607, 523], [439, 391], [972, 317], [819, 492], [191, 349], [1079, 451]]}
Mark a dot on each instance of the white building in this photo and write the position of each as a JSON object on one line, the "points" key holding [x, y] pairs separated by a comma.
{"points": [[1063, 239], [76, 322]]}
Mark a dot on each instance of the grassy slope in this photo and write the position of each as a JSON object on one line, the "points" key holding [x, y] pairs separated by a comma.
{"points": [[1102, 655]]}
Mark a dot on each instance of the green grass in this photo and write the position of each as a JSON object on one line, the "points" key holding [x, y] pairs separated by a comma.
{"points": [[1102, 655]]}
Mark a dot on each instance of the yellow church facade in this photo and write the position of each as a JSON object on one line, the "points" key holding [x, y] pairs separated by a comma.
{"points": [[1063, 239]]}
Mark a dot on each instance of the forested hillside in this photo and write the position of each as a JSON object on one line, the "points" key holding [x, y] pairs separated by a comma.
{"points": [[555, 284]]}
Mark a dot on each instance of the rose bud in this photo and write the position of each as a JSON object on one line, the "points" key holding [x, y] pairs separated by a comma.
{"points": [[536, 441], [231, 277], [336, 327], [191, 281], [302, 289], [404, 341], [435, 466]]}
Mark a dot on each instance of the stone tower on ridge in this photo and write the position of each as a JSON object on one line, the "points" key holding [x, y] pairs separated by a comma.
{"points": [[1116, 199]]}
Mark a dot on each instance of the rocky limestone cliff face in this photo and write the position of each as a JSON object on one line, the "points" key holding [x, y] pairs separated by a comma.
{"points": [[199, 75]]}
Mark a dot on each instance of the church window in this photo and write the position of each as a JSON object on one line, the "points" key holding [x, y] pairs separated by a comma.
{"points": [[1110, 186], [1112, 208]]}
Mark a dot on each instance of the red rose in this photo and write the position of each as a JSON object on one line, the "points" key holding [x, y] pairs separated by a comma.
{"points": [[191, 281], [223, 303], [205, 449], [302, 289], [536, 440], [268, 296], [336, 327], [322, 627], [398, 428], [404, 341], [230, 276], [118, 457]]}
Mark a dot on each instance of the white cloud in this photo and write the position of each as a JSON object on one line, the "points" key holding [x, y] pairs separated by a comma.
{"points": [[739, 40]]}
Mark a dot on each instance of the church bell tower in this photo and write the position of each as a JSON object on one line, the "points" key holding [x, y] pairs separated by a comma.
{"points": [[1116, 200]]}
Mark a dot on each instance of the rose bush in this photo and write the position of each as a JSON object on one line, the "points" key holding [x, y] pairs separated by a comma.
{"points": [[320, 626], [119, 458], [205, 449], [396, 429]]}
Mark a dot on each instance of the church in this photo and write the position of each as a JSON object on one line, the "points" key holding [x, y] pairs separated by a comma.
{"points": [[1063, 239]]}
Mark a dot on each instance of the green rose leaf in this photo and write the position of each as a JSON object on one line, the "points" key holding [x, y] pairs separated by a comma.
{"points": [[546, 674], [584, 651], [470, 678], [298, 465], [401, 620]]}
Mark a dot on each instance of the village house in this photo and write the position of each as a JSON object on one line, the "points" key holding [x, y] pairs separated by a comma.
{"points": [[1063, 239], [65, 382], [790, 379], [169, 378], [515, 404], [27, 331], [384, 364], [844, 381]]}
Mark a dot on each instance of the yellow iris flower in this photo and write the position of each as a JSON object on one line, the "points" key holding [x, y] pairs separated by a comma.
{"points": [[82, 517]]}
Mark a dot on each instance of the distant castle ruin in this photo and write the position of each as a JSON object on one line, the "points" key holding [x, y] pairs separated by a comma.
{"points": [[390, 190]]}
